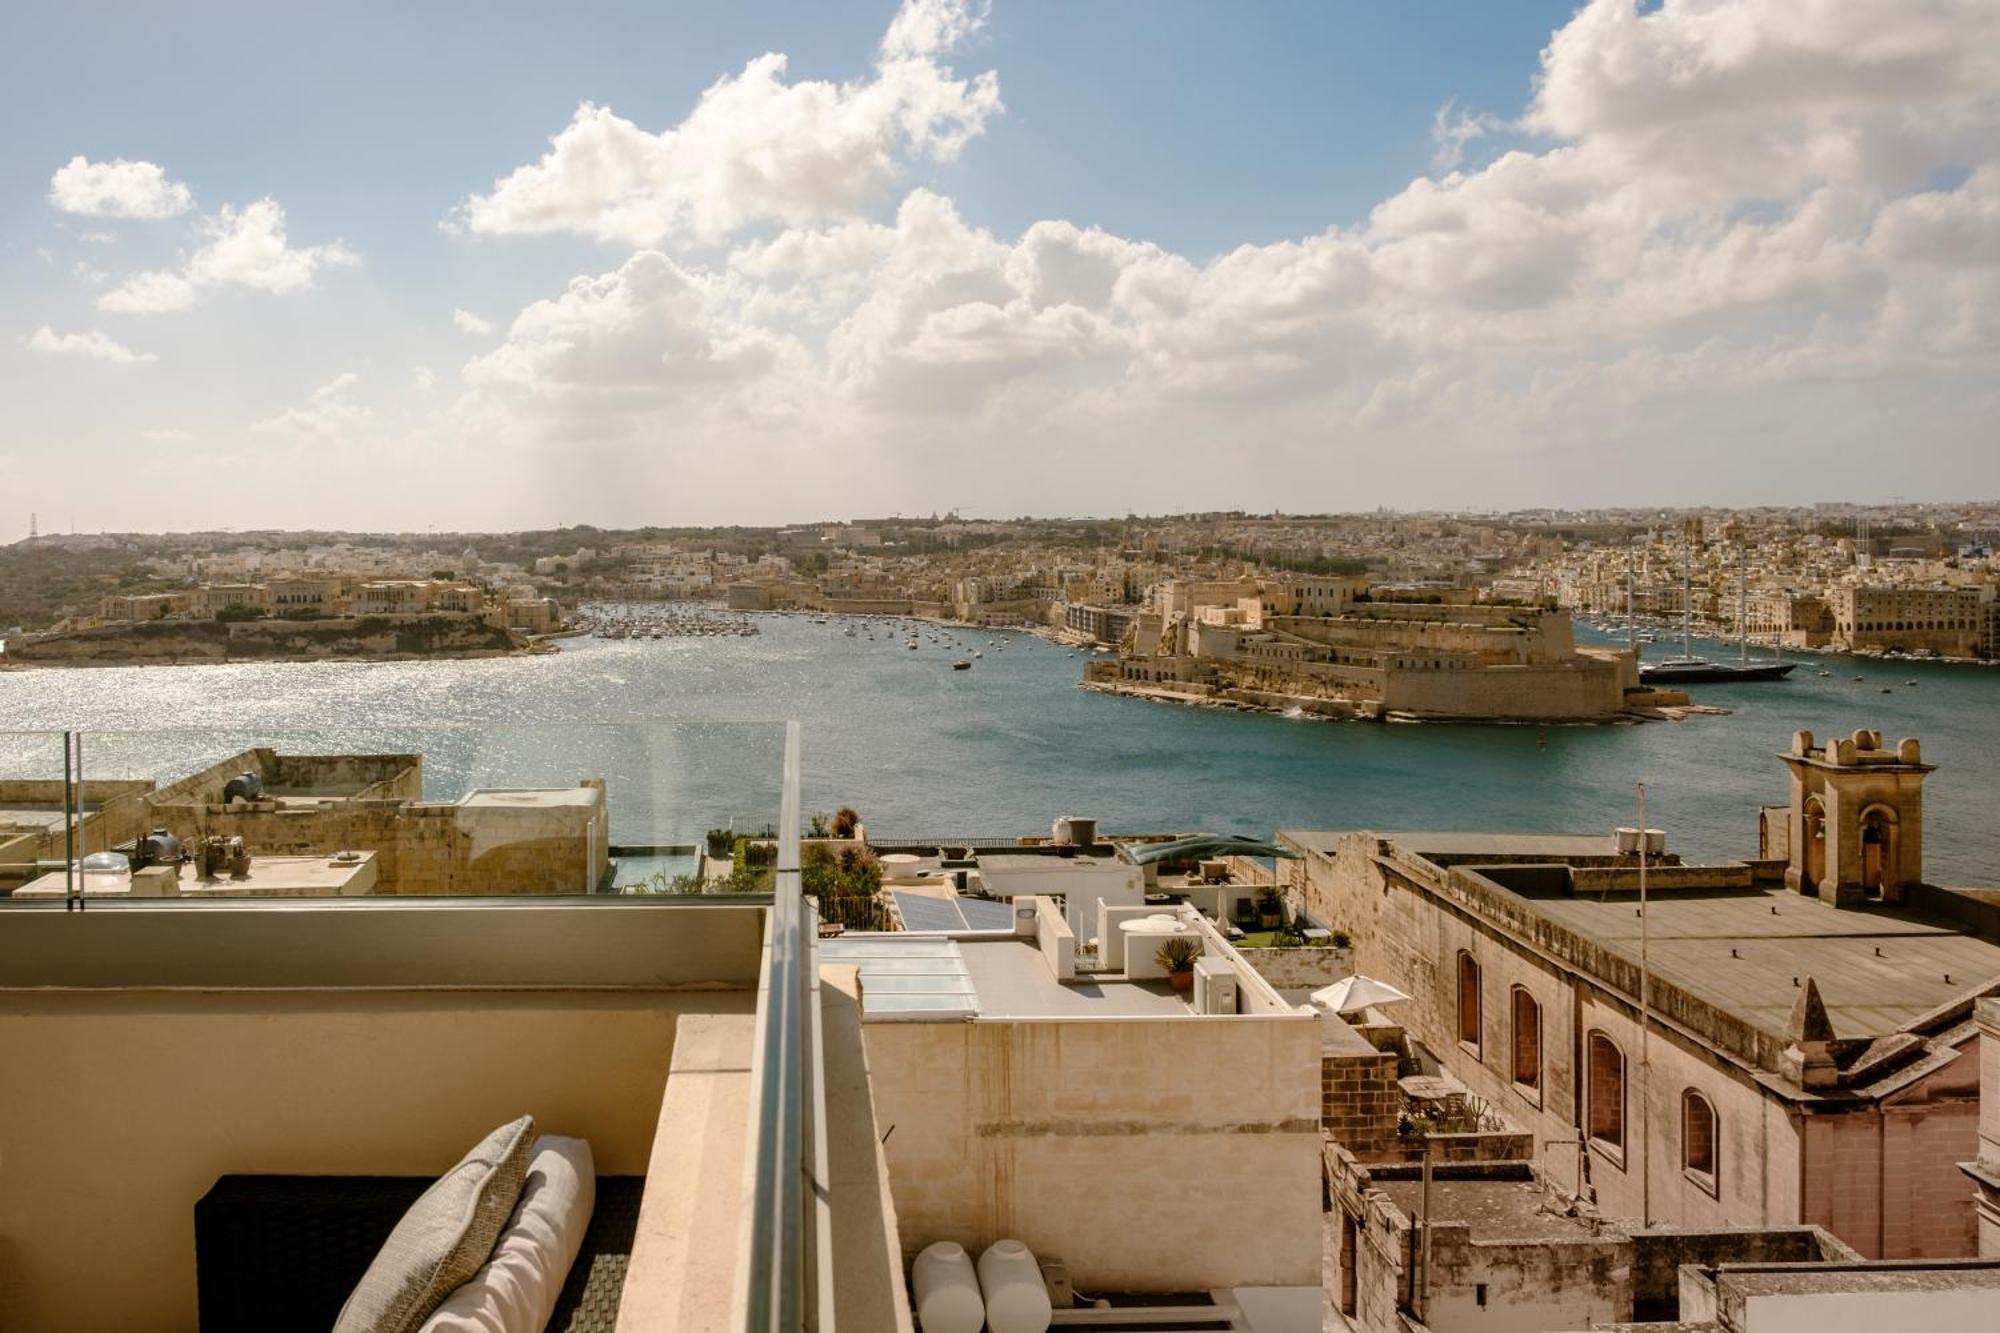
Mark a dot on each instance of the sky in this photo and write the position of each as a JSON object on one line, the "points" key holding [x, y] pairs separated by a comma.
{"points": [[466, 264]]}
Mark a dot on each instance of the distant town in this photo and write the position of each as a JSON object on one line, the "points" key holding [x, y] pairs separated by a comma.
{"points": [[1374, 615]]}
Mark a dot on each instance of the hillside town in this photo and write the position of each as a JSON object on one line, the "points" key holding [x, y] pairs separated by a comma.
{"points": [[1279, 605]]}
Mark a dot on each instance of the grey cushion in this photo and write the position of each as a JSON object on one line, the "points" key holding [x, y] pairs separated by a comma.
{"points": [[444, 1238]]}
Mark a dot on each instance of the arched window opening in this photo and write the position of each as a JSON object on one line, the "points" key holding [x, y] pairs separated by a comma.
{"points": [[1468, 1000], [1698, 1138], [1605, 1103], [1527, 1041]]}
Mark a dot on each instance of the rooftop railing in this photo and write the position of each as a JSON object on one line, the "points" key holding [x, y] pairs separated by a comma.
{"points": [[786, 1286]]}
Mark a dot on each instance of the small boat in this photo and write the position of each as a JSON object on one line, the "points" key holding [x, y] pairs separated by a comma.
{"points": [[1826, 673], [1854, 678], [961, 665], [979, 654], [1909, 682]]}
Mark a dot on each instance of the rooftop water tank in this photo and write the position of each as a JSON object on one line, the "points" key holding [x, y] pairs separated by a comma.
{"points": [[1628, 842], [242, 787], [1017, 1300], [947, 1290]]}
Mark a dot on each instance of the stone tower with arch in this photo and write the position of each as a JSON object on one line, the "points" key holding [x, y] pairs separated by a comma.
{"points": [[1855, 822]]}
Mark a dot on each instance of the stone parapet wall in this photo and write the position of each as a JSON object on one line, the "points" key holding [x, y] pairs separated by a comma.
{"points": [[1360, 1101], [1304, 967]]}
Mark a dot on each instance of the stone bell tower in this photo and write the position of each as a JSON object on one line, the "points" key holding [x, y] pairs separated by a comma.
{"points": [[1856, 818]]}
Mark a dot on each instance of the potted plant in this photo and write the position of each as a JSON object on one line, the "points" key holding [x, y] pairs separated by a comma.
{"points": [[1176, 957], [1270, 908]]}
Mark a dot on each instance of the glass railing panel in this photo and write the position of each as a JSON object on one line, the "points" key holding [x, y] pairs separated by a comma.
{"points": [[36, 800], [427, 810]]}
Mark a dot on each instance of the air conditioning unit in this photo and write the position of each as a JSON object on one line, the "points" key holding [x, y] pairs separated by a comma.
{"points": [[1214, 985]]}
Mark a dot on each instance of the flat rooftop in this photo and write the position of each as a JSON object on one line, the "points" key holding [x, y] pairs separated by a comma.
{"points": [[1461, 846], [1739, 950], [545, 798], [1494, 1209], [917, 977], [270, 877], [1787, 1280], [34, 815]]}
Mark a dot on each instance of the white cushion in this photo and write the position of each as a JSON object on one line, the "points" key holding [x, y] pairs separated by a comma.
{"points": [[517, 1289], [443, 1238]]}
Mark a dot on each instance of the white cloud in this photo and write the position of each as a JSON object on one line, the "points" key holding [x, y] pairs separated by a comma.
{"points": [[247, 248], [244, 247], [755, 148], [1453, 128], [467, 322], [167, 435], [93, 345], [148, 294], [649, 332], [1762, 100], [1609, 287], [423, 379], [329, 415], [118, 189]]}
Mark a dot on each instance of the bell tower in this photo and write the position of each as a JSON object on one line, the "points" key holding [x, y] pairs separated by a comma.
{"points": [[1856, 818]]}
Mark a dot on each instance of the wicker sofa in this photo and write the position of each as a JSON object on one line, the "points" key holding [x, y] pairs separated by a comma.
{"points": [[285, 1251]]}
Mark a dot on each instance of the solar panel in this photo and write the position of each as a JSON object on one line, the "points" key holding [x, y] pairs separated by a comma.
{"points": [[982, 915], [923, 912]]}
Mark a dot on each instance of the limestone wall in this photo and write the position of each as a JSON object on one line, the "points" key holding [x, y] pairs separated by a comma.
{"points": [[1582, 688], [425, 848], [1147, 1154], [1307, 967]]}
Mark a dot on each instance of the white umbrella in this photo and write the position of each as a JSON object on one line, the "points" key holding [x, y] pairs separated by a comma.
{"points": [[1356, 992]]}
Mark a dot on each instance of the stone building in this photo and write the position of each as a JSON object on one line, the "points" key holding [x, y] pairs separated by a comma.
{"points": [[487, 841], [1318, 640], [1856, 818], [1806, 1055], [1878, 618], [554, 840]]}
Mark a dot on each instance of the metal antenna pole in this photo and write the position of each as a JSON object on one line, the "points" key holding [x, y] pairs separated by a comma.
{"points": [[1645, 1031]]}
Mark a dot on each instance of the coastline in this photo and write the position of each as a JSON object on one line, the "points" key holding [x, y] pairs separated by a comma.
{"points": [[1307, 708], [109, 663]]}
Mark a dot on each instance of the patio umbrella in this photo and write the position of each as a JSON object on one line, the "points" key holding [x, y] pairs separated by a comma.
{"points": [[1356, 992]]}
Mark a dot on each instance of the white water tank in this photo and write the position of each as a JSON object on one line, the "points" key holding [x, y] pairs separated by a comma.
{"points": [[1017, 1300], [1656, 842], [1628, 842], [948, 1299]]}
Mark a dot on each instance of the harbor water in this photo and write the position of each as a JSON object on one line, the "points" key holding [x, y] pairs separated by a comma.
{"points": [[924, 751]]}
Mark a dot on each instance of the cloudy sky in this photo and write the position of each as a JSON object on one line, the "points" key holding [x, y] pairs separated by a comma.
{"points": [[458, 263]]}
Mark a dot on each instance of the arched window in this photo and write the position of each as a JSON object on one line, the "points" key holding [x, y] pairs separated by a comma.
{"points": [[1604, 1108], [1527, 1041], [1468, 1000], [1698, 1138]]}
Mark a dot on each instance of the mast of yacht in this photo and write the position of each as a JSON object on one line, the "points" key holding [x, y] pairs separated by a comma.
{"points": [[1687, 603], [1742, 603]]}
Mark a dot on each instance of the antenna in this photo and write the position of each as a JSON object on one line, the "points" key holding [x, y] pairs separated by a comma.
{"points": [[34, 525]]}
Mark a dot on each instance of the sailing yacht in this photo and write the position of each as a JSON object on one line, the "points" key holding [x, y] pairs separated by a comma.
{"points": [[1688, 669]]}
